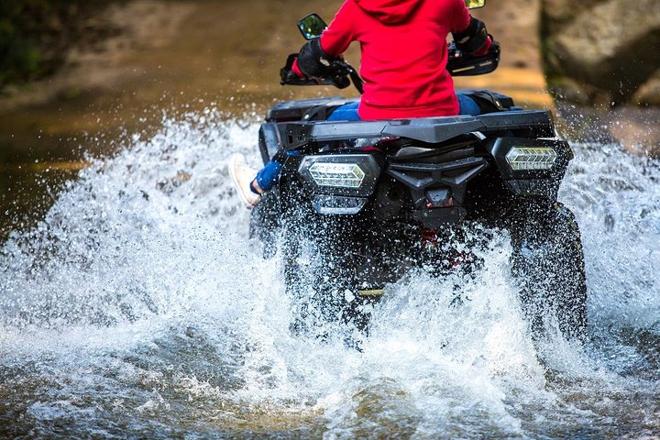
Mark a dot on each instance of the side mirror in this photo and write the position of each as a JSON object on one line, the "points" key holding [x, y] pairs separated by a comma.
{"points": [[475, 4], [312, 26]]}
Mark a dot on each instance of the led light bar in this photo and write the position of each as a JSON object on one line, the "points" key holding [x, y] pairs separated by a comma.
{"points": [[337, 175], [531, 158], [338, 205]]}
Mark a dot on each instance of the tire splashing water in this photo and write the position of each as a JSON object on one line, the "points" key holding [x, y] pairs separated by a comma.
{"points": [[140, 306]]}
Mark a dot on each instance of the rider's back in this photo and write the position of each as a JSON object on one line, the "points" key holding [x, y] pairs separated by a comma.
{"points": [[404, 54]]}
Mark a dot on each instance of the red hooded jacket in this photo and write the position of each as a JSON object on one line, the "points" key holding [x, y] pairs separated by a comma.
{"points": [[404, 54]]}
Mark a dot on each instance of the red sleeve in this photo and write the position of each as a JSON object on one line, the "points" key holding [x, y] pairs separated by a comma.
{"points": [[460, 16], [296, 69], [340, 33]]}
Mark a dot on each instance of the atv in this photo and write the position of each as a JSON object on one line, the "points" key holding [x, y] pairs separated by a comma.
{"points": [[361, 204]]}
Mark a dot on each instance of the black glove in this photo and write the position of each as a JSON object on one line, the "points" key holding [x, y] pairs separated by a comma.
{"points": [[316, 66], [473, 38], [313, 62]]}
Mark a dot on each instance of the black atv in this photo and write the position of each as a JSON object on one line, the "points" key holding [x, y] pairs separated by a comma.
{"points": [[360, 204]]}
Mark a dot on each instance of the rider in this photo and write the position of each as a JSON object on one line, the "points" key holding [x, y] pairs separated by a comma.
{"points": [[404, 67]]}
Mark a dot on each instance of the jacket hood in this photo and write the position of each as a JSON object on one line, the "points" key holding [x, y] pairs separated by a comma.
{"points": [[389, 11]]}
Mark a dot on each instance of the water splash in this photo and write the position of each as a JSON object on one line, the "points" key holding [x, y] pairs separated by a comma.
{"points": [[140, 305]]}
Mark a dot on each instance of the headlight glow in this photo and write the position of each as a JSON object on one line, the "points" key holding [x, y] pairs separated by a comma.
{"points": [[531, 158], [337, 175]]}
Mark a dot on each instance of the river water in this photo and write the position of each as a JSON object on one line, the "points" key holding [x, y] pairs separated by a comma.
{"points": [[139, 307]]}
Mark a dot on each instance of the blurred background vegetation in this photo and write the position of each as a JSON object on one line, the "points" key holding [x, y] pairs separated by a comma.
{"points": [[35, 35]]}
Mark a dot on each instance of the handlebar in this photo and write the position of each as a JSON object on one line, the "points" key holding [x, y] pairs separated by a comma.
{"points": [[462, 64], [342, 74]]}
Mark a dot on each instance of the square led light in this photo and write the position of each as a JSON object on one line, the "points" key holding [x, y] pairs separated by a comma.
{"points": [[337, 175], [531, 158]]}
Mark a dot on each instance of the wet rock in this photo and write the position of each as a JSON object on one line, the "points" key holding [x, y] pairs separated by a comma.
{"points": [[601, 51]]}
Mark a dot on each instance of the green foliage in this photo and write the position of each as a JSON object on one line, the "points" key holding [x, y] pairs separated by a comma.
{"points": [[35, 34], [19, 53]]}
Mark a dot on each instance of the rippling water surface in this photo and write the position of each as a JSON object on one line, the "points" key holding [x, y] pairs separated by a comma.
{"points": [[140, 307]]}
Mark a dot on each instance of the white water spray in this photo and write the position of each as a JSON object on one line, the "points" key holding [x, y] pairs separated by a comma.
{"points": [[139, 304]]}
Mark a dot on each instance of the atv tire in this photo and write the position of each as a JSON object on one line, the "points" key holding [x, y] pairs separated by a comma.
{"points": [[326, 288], [548, 261]]}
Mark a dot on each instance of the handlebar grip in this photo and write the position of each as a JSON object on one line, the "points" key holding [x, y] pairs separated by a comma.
{"points": [[463, 64]]}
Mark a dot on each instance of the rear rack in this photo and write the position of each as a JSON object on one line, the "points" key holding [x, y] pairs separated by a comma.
{"points": [[536, 123]]}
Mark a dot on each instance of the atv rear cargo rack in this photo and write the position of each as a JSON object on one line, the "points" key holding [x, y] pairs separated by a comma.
{"points": [[293, 135]]}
